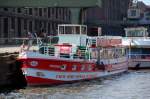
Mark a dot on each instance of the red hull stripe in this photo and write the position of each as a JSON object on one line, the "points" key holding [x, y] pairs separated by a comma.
{"points": [[41, 81]]}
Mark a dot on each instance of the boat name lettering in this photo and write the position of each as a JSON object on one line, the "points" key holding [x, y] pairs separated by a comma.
{"points": [[76, 76]]}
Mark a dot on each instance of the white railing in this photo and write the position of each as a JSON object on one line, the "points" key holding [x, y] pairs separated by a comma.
{"points": [[52, 51]]}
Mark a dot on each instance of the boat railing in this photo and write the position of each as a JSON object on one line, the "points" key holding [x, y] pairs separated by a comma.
{"points": [[53, 51], [47, 50]]}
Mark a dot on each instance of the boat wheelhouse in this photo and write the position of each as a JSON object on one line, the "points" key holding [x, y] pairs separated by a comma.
{"points": [[72, 56], [138, 44]]}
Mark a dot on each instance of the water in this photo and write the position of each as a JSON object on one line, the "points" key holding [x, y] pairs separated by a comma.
{"points": [[132, 85]]}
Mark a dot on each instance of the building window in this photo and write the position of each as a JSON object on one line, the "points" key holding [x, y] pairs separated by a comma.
{"points": [[40, 11], [13, 23], [19, 10], [49, 12], [25, 24], [49, 28], [19, 27], [133, 12], [30, 11], [45, 12], [26, 11], [35, 25], [5, 27], [5, 9], [13, 9], [53, 11], [30, 26], [36, 11], [57, 10], [63, 14]]}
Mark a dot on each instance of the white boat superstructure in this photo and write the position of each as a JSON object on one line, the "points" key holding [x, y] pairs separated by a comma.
{"points": [[138, 44]]}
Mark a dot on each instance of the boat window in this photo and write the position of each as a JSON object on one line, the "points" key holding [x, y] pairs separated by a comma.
{"points": [[74, 67], [83, 30], [136, 32], [89, 67], [72, 29], [123, 52], [63, 67], [83, 67], [111, 53], [94, 53]]}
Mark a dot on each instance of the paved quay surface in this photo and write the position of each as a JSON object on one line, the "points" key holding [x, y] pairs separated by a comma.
{"points": [[12, 48], [9, 48]]}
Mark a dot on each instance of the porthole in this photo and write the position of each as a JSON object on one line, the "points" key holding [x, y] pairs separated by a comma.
{"points": [[63, 67], [34, 63]]}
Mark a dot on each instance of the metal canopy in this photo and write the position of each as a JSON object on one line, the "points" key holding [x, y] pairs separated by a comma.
{"points": [[50, 3]]}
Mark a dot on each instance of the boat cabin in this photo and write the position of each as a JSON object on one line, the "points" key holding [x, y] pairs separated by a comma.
{"points": [[73, 43], [136, 32], [73, 34], [138, 42]]}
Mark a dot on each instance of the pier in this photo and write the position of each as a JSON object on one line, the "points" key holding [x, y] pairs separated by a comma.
{"points": [[10, 72]]}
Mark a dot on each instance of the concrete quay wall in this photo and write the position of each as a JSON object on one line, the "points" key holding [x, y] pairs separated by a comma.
{"points": [[10, 72]]}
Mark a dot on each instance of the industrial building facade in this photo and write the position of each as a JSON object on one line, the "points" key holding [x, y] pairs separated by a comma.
{"points": [[17, 22], [110, 16]]}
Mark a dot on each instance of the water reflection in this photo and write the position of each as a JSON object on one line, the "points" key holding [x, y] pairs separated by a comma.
{"points": [[132, 85]]}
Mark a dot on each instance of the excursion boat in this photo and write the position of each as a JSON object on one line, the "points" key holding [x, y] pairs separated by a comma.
{"points": [[72, 56], [138, 44]]}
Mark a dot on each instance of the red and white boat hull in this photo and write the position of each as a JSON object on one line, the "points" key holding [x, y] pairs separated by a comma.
{"points": [[50, 70]]}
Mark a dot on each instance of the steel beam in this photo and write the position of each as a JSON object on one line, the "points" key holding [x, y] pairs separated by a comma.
{"points": [[50, 3]]}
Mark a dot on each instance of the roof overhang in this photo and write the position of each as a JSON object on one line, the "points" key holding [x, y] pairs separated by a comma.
{"points": [[50, 3]]}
